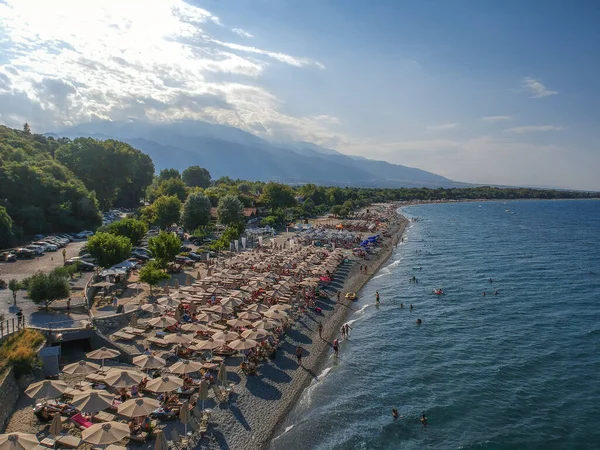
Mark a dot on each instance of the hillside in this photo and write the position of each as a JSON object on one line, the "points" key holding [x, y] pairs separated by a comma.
{"points": [[229, 151]]}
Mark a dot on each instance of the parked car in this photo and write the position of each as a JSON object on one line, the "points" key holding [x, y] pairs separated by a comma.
{"points": [[202, 241], [36, 249], [185, 248], [139, 255], [184, 260], [83, 265], [68, 237], [84, 234], [195, 256], [47, 246], [24, 253], [58, 242], [8, 257]]}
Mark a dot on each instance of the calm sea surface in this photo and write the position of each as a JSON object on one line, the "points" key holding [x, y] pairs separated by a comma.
{"points": [[517, 370]]}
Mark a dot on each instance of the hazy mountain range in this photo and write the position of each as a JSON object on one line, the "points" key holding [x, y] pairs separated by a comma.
{"points": [[225, 150]]}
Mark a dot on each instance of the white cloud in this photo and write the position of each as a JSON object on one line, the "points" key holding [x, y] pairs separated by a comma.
{"points": [[533, 129], [68, 61], [442, 127], [537, 89], [496, 119], [242, 33]]}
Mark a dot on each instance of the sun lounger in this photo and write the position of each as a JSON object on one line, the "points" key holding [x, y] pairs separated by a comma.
{"points": [[140, 437], [178, 442], [81, 422], [110, 447], [119, 335], [103, 416], [160, 342], [63, 441], [135, 331], [95, 377]]}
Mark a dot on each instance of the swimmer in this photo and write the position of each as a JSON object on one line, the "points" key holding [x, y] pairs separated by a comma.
{"points": [[484, 293], [395, 414], [496, 292], [424, 420], [376, 296], [401, 305], [411, 307], [418, 321], [491, 281]]}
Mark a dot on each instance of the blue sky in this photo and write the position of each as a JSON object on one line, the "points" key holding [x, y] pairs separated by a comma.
{"points": [[479, 91]]}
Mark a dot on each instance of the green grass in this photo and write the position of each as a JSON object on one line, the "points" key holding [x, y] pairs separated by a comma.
{"points": [[19, 350]]}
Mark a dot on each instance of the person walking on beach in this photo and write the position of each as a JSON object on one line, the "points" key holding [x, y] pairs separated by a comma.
{"points": [[320, 330], [336, 347], [299, 355], [343, 331], [69, 305], [338, 296]]}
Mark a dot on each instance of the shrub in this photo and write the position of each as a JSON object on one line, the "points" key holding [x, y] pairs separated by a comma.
{"points": [[19, 351]]}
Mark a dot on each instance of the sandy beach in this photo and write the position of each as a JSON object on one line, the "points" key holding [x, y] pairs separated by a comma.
{"points": [[260, 404]]}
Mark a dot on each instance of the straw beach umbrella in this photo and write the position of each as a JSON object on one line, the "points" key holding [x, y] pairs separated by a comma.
{"points": [[164, 384], [238, 323], [185, 366], [137, 407], [203, 392], [102, 354], [178, 338], [162, 322], [161, 441], [147, 362], [195, 326], [123, 378], [169, 302], [226, 336], [184, 415], [92, 401], [222, 374], [82, 367], [105, 433], [18, 441], [56, 426], [154, 308], [276, 314], [255, 334], [242, 344], [264, 324], [206, 316], [249, 315], [209, 344], [46, 389]]}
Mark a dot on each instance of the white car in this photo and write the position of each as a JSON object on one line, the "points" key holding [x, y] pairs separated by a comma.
{"points": [[48, 246], [84, 234], [35, 248]]}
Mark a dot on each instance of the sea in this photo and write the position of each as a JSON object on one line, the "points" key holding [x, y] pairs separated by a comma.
{"points": [[518, 368]]}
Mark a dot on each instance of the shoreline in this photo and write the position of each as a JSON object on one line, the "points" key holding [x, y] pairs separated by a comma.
{"points": [[260, 405]]}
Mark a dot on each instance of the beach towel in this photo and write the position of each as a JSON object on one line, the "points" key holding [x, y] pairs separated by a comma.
{"points": [[81, 421]]}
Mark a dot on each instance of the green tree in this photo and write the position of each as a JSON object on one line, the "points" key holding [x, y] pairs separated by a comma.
{"points": [[6, 228], [171, 186], [152, 274], [167, 174], [109, 249], [167, 210], [196, 176], [243, 188], [308, 207], [230, 210], [164, 247], [133, 229], [26, 128], [46, 288], [277, 195], [196, 211], [14, 286], [336, 210]]}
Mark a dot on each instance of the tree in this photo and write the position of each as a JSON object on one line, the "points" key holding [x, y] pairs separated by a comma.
{"points": [[26, 128], [196, 176], [6, 224], [109, 249], [130, 228], [45, 288], [196, 211], [152, 274], [164, 247], [230, 210], [278, 195], [14, 286], [167, 210], [167, 174], [336, 210]]}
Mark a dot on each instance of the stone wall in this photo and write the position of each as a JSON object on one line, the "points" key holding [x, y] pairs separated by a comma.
{"points": [[9, 394]]}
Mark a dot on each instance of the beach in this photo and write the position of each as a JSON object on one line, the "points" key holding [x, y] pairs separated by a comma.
{"points": [[260, 404]]}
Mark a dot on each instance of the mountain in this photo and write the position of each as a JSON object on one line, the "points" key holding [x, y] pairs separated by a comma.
{"points": [[226, 150]]}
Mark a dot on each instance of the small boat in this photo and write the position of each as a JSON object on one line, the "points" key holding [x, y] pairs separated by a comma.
{"points": [[438, 292], [350, 296]]}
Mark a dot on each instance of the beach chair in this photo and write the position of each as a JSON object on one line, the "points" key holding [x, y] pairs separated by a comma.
{"points": [[178, 442], [103, 416], [140, 437], [81, 422], [120, 335], [63, 441]]}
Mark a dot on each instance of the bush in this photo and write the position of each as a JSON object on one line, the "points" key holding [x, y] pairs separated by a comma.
{"points": [[19, 351]]}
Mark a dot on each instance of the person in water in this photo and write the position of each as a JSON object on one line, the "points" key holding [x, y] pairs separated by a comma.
{"points": [[347, 327], [424, 419], [411, 307], [401, 305], [343, 331], [491, 281], [418, 321], [395, 414], [376, 296], [336, 347], [496, 292], [484, 293]]}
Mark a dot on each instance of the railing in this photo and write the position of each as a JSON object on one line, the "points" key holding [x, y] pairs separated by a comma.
{"points": [[10, 326]]}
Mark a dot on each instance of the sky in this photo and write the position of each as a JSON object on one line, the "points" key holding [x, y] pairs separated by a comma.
{"points": [[500, 92]]}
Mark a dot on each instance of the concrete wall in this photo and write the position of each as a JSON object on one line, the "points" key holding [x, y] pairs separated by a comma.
{"points": [[9, 394]]}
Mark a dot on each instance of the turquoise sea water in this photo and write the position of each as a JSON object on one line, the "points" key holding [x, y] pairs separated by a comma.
{"points": [[518, 370]]}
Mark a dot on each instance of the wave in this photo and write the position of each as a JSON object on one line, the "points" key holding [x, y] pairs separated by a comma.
{"points": [[285, 431]]}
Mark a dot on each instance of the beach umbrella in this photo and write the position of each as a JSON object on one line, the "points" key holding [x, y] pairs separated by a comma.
{"points": [[123, 378], [185, 366], [188, 280], [162, 322], [237, 294], [82, 367], [102, 354], [203, 392], [196, 326], [154, 308], [184, 415], [232, 302], [238, 323], [178, 338], [280, 307], [146, 362], [242, 344], [137, 407], [164, 384], [161, 441], [177, 315], [166, 288], [226, 336], [176, 283], [169, 302], [209, 344], [56, 425], [255, 334], [160, 341], [134, 320], [92, 401], [46, 389], [105, 433], [249, 315], [275, 314], [264, 324], [207, 316], [258, 307], [221, 309], [222, 374], [18, 441]]}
